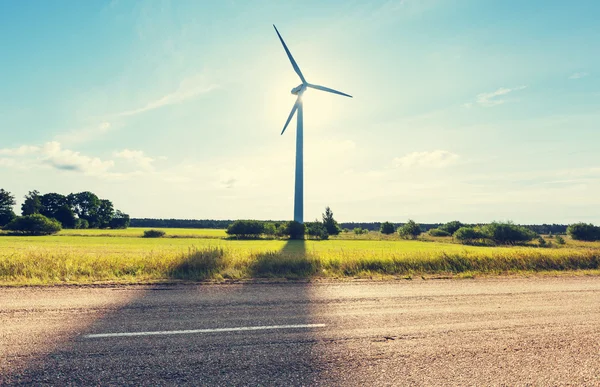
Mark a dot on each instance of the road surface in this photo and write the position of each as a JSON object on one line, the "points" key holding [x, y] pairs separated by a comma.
{"points": [[501, 331]]}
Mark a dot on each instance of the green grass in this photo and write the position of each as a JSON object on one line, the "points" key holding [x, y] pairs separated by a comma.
{"points": [[124, 256]]}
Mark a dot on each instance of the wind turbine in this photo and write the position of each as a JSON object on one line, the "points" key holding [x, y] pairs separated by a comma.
{"points": [[299, 91]]}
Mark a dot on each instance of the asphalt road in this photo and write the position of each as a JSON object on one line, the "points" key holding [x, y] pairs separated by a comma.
{"points": [[506, 331]]}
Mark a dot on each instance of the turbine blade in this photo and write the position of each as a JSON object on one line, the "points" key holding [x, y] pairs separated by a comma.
{"points": [[323, 88], [298, 102], [289, 54]]}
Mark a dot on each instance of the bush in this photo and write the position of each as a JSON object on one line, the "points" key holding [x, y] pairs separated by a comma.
{"points": [[359, 231], [154, 233], [451, 227], [560, 240], [282, 230], [387, 228], [246, 229], [542, 242], [410, 230], [438, 232], [508, 233], [35, 224], [584, 232], [82, 224], [269, 229], [316, 230], [468, 234], [295, 230]]}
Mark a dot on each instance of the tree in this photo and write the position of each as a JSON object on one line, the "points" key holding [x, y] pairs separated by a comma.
{"points": [[51, 202], [7, 201], [66, 216], [85, 205], [296, 230], [387, 228], [32, 204], [330, 223], [104, 213], [316, 230], [119, 220], [410, 230], [584, 232], [508, 233], [246, 229], [35, 224], [451, 227]]}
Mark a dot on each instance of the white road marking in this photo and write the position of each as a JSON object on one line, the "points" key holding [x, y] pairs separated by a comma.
{"points": [[190, 331]]}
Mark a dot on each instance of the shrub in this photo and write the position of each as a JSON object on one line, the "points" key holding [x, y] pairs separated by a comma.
{"points": [[468, 234], [269, 229], [295, 230], [451, 227], [35, 224], [508, 233], [387, 228], [410, 230], [542, 242], [560, 240], [438, 232], [82, 224], [246, 229], [359, 231], [584, 232], [282, 230], [154, 233], [316, 230]]}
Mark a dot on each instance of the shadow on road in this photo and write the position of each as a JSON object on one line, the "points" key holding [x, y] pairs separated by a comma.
{"points": [[259, 357]]}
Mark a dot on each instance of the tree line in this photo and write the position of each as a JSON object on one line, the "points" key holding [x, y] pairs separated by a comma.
{"points": [[180, 223], [375, 226], [344, 226], [75, 211], [251, 229]]}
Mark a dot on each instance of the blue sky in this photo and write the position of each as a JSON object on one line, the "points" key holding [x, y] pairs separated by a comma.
{"points": [[463, 109]]}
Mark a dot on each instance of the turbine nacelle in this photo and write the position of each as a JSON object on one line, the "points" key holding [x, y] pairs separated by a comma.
{"points": [[299, 89]]}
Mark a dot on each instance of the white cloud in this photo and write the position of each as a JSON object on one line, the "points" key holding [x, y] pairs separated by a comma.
{"points": [[578, 75], [490, 99], [188, 88], [20, 151], [433, 159], [83, 135], [52, 154], [137, 157]]}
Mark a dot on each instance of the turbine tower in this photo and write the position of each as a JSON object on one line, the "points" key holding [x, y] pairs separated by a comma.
{"points": [[299, 91]]}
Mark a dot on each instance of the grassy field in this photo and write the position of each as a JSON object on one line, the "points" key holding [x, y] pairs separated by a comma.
{"points": [[138, 232], [86, 256]]}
